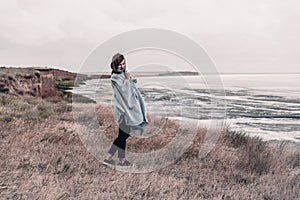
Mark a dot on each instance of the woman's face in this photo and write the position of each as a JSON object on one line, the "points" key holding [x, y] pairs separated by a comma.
{"points": [[122, 64]]}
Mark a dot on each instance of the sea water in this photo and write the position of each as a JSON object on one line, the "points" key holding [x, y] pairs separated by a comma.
{"points": [[267, 105]]}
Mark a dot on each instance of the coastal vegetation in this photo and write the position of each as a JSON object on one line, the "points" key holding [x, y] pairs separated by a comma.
{"points": [[43, 157]]}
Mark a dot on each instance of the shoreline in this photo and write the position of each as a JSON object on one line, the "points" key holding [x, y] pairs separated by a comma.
{"points": [[249, 109], [264, 136]]}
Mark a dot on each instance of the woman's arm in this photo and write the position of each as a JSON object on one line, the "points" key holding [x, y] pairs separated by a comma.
{"points": [[124, 89]]}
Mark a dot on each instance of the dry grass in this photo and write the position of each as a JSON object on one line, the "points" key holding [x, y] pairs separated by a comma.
{"points": [[30, 108], [44, 158]]}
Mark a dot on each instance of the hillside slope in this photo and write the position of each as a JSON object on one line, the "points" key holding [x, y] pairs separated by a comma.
{"points": [[42, 157]]}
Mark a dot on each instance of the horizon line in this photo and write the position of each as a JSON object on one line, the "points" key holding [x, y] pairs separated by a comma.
{"points": [[73, 71]]}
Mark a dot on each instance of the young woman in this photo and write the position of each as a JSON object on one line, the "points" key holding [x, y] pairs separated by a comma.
{"points": [[129, 109]]}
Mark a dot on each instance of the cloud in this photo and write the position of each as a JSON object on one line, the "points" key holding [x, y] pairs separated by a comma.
{"points": [[253, 34]]}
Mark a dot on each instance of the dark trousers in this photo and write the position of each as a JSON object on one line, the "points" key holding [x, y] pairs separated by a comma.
{"points": [[120, 142]]}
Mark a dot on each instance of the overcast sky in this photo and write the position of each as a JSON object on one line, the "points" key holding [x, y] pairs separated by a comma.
{"points": [[238, 35]]}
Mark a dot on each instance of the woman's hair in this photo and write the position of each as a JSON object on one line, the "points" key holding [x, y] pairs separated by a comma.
{"points": [[116, 60]]}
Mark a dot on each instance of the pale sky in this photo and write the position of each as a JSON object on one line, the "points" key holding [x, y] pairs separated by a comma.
{"points": [[240, 36]]}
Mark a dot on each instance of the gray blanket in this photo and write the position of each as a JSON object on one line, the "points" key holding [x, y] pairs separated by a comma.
{"points": [[128, 103]]}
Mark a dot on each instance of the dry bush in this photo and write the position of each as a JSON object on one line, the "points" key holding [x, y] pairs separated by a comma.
{"points": [[30, 108]]}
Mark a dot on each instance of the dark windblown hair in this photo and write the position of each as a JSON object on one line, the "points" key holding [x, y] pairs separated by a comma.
{"points": [[115, 61]]}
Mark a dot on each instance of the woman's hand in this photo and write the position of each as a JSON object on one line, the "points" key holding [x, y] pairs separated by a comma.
{"points": [[127, 75]]}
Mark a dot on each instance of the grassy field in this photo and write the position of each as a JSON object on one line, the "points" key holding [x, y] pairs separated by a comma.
{"points": [[42, 157]]}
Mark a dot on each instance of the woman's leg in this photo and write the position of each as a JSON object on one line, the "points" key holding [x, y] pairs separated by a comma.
{"points": [[120, 142]]}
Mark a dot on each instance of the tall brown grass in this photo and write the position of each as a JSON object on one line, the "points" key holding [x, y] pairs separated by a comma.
{"points": [[42, 157]]}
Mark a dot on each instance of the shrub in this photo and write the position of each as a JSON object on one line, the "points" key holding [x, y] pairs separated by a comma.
{"points": [[295, 160], [82, 99], [236, 138], [258, 157], [6, 118], [53, 100], [255, 156]]}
